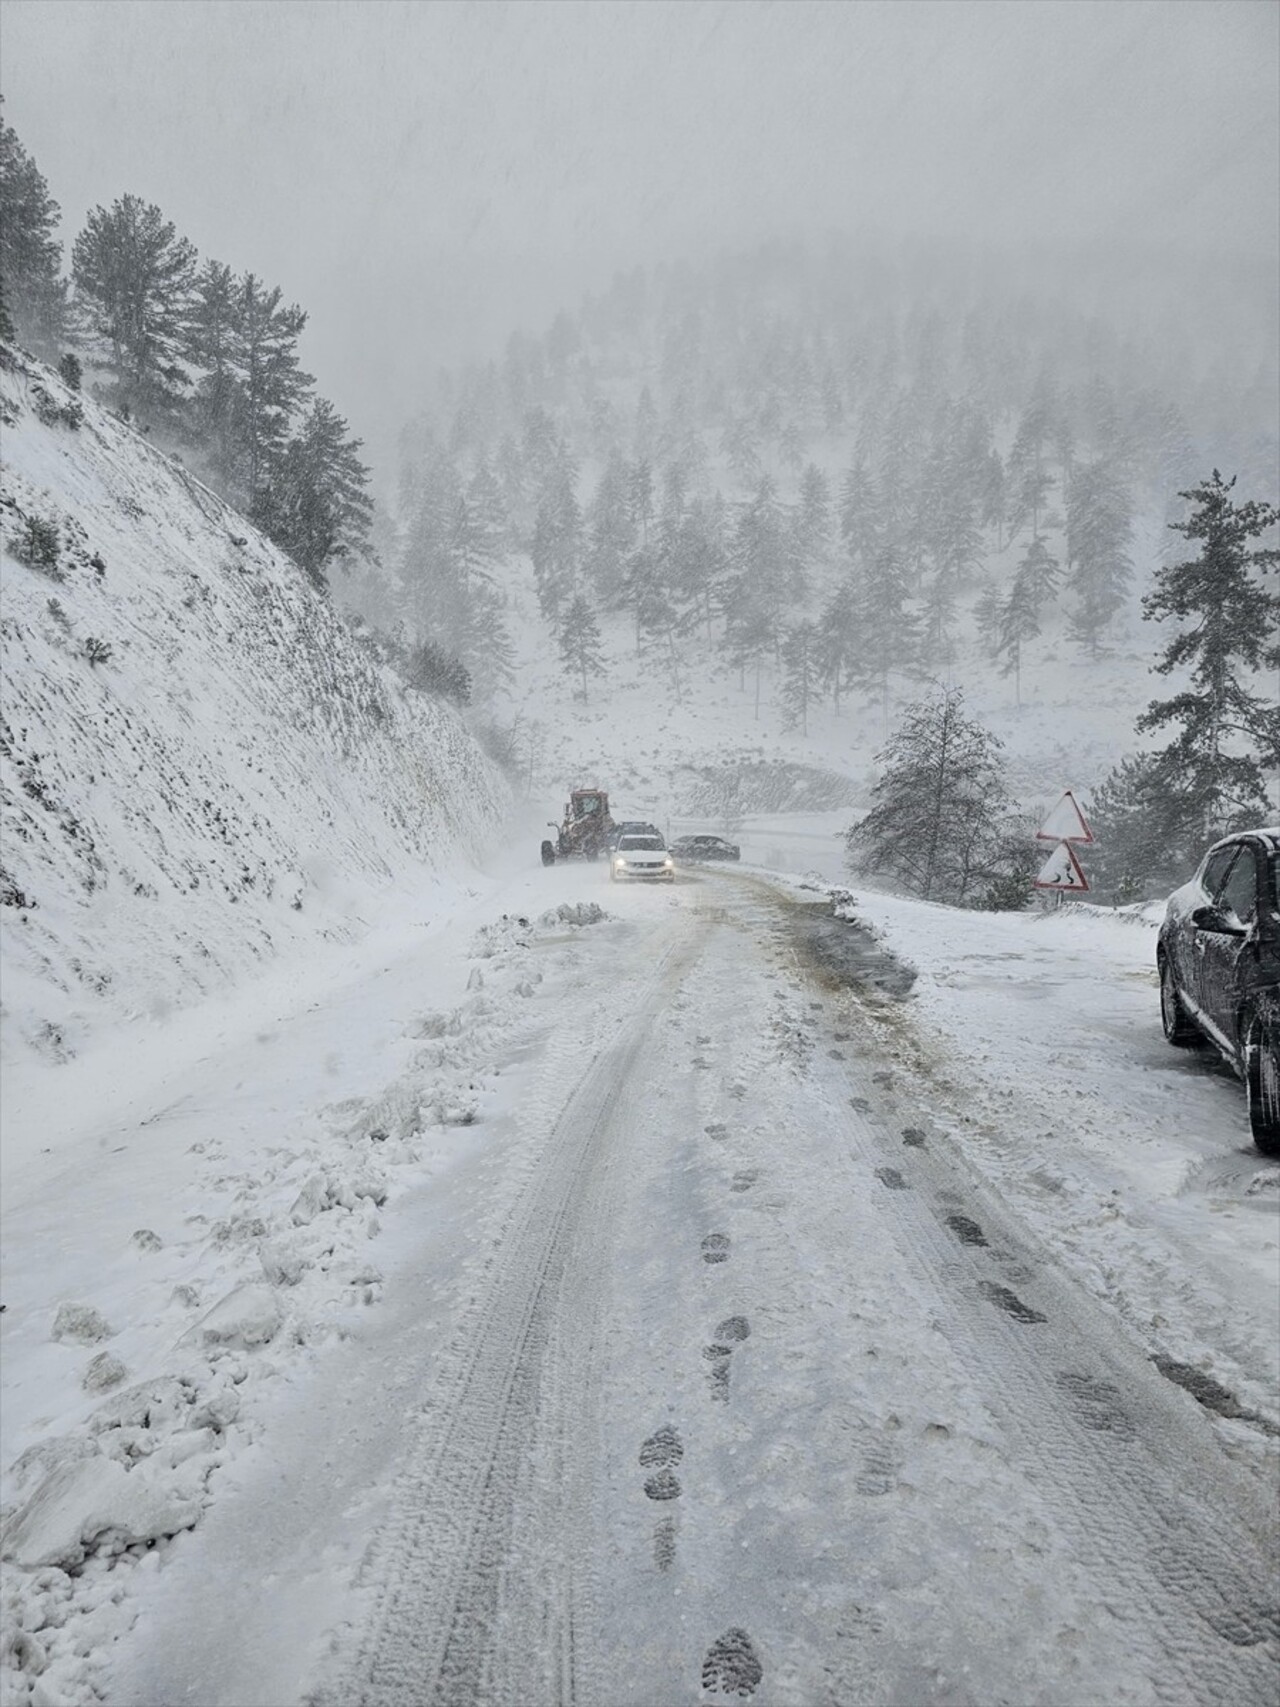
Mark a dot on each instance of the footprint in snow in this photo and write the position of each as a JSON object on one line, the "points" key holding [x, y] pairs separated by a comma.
{"points": [[892, 1178], [914, 1136], [744, 1180], [878, 1473], [717, 1130], [732, 1331], [861, 1104], [732, 1666], [662, 1449], [715, 1247]]}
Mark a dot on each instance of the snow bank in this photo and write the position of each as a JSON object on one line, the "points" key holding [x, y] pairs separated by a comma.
{"points": [[200, 766], [264, 1256]]}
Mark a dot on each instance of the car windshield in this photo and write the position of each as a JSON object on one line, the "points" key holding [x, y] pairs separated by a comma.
{"points": [[648, 844]]}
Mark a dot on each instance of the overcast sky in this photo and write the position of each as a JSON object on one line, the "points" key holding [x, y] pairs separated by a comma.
{"points": [[424, 177]]}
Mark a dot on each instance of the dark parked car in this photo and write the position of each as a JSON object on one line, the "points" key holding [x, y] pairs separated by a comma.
{"points": [[1219, 960], [705, 847]]}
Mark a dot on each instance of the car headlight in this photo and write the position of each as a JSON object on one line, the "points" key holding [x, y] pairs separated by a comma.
{"points": [[668, 862], [619, 863]]}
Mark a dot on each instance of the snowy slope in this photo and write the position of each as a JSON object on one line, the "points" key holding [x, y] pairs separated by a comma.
{"points": [[235, 777]]}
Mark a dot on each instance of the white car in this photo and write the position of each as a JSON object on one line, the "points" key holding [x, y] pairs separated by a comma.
{"points": [[641, 856]]}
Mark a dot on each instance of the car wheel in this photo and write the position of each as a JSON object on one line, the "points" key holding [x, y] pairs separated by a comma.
{"points": [[1178, 1029], [1262, 1085]]}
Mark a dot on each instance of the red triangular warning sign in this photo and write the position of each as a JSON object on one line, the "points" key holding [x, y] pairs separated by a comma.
{"points": [[1062, 871], [1066, 823]]}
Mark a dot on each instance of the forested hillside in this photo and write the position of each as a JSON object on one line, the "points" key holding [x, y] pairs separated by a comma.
{"points": [[821, 482]]}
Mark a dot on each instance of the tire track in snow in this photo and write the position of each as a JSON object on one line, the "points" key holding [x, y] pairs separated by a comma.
{"points": [[478, 1590], [1190, 1582]]}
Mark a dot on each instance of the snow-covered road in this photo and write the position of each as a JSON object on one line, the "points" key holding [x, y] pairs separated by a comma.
{"points": [[707, 1362]]}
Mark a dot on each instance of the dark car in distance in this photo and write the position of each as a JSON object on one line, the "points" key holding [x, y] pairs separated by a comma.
{"points": [[692, 848], [1219, 960]]}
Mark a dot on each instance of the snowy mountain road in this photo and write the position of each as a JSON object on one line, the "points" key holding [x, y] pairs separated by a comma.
{"points": [[731, 1379], [880, 1452]]}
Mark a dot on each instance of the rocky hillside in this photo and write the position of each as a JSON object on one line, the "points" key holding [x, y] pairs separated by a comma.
{"points": [[201, 766]]}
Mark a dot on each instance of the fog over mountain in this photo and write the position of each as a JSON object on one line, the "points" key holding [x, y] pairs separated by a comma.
{"points": [[426, 179]]}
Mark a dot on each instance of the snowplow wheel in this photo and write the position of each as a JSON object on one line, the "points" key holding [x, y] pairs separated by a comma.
{"points": [[593, 850], [548, 853]]}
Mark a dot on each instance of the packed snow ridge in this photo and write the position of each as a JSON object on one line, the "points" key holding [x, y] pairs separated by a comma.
{"points": [[201, 766]]}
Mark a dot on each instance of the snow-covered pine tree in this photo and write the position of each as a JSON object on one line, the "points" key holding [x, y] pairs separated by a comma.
{"points": [[273, 386], [1099, 521], [888, 631], [758, 589], [1028, 479], [801, 673], [813, 522], [134, 277], [839, 638], [860, 515], [1225, 732], [580, 641], [317, 507], [937, 823], [1040, 572], [557, 548], [1019, 623], [30, 253], [611, 532], [988, 611], [212, 347]]}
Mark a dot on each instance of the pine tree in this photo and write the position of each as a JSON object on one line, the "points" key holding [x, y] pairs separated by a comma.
{"points": [[1040, 572], [801, 673], [212, 346], [30, 253], [273, 385], [1149, 831], [611, 532], [317, 507], [758, 588], [860, 516], [434, 669], [1019, 623], [812, 523], [1098, 527], [1225, 733], [1028, 480], [580, 641], [937, 822], [838, 639], [435, 599], [557, 549], [988, 613], [134, 277], [888, 632]]}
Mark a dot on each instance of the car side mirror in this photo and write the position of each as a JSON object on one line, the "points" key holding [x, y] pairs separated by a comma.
{"points": [[1214, 919]]}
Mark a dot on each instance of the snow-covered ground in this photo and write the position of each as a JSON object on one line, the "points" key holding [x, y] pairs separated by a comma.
{"points": [[289, 1220], [486, 1284], [234, 778]]}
